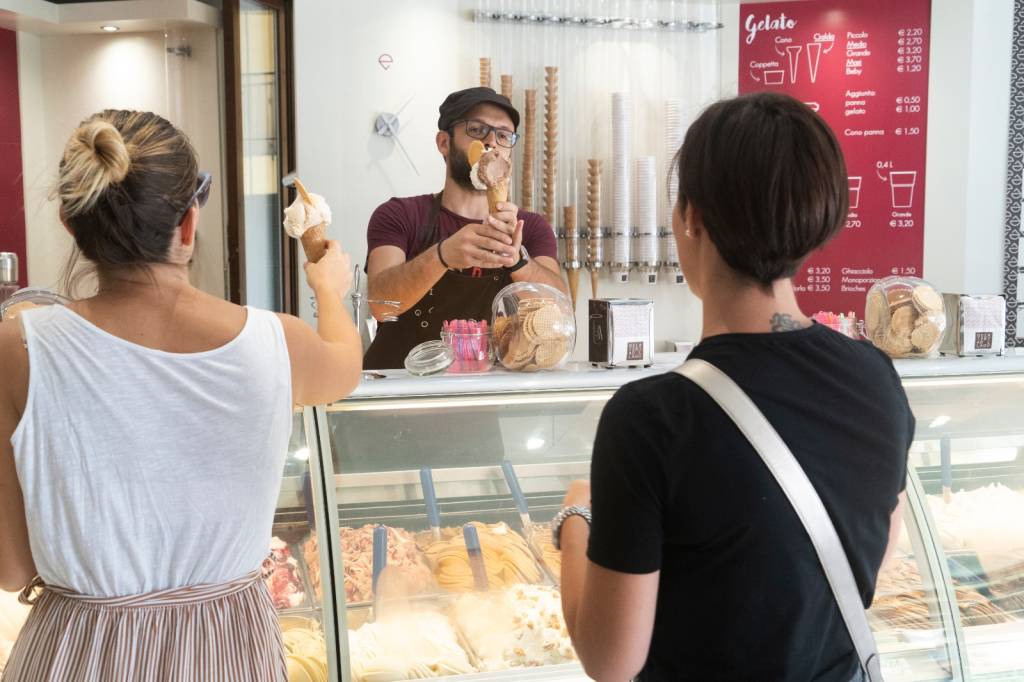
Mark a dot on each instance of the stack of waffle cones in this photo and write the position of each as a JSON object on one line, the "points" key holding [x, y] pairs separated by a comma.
{"points": [[572, 251], [506, 85], [485, 72], [314, 239], [529, 145], [594, 219], [550, 140]]}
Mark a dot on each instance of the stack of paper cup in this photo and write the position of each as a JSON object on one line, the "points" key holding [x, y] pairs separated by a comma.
{"points": [[673, 138], [647, 217], [622, 132]]}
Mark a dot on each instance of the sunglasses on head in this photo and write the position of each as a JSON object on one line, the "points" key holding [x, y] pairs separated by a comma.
{"points": [[204, 181]]}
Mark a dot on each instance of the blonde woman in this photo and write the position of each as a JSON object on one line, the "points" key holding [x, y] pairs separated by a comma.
{"points": [[143, 432]]}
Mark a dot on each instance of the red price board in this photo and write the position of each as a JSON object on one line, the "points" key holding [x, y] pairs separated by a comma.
{"points": [[863, 66]]}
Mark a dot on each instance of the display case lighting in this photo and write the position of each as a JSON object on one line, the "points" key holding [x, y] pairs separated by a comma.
{"points": [[110, 28], [941, 420]]}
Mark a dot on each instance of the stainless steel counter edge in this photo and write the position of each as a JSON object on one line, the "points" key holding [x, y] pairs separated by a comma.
{"points": [[582, 376]]}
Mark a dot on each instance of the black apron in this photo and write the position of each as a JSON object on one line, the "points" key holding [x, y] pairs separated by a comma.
{"points": [[456, 296]]}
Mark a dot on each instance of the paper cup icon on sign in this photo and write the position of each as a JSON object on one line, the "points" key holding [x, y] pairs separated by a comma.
{"points": [[855, 182], [902, 185], [813, 58], [774, 76], [794, 61]]}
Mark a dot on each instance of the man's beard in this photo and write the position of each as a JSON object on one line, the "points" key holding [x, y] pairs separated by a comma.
{"points": [[459, 169]]}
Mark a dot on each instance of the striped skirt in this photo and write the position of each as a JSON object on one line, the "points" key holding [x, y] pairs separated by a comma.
{"points": [[215, 633]]}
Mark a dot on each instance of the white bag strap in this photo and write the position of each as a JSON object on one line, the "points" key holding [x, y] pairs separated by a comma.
{"points": [[797, 487]]}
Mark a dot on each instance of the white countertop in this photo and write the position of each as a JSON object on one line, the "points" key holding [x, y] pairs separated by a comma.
{"points": [[582, 376]]}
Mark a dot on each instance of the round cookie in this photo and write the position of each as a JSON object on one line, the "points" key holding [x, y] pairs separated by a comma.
{"points": [[903, 320], [546, 322], [925, 337], [876, 313], [926, 299], [897, 346], [550, 353], [899, 297]]}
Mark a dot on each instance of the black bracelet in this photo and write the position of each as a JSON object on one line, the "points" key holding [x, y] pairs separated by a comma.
{"points": [[523, 260], [441, 258]]}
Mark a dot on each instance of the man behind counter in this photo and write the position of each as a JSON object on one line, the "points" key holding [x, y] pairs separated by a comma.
{"points": [[441, 254]]}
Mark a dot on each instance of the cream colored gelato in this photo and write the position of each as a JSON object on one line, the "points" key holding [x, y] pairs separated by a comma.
{"points": [[411, 645], [300, 216], [520, 627]]}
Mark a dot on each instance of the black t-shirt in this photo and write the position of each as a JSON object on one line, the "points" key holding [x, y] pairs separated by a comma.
{"points": [[677, 488]]}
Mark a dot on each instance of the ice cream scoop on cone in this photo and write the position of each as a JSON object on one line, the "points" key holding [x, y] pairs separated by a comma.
{"points": [[307, 220], [491, 172]]}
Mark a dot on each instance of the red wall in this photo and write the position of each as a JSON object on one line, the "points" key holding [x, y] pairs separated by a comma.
{"points": [[12, 198]]}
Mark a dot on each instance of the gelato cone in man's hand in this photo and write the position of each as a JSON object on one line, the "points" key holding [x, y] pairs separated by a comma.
{"points": [[307, 220], [490, 172]]}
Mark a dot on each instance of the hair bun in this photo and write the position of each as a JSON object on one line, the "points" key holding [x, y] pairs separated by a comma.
{"points": [[95, 158], [109, 147]]}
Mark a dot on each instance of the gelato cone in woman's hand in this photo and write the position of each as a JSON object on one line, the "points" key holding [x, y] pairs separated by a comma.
{"points": [[307, 221], [490, 172]]}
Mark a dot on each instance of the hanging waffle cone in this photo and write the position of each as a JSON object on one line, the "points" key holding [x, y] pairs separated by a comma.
{"points": [[572, 247], [593, 218], [529, 145], [550, 140], [485, 72], [506, 85]]}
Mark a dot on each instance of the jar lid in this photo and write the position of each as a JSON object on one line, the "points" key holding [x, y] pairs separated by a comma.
{"points": [[29, 298], [430, 357]]}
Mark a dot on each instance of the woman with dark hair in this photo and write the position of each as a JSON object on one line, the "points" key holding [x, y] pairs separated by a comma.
{"points": [[696, 566], [143, 432]]}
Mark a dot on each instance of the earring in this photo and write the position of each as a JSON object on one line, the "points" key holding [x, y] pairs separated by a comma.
{"points": [[689, 233]]}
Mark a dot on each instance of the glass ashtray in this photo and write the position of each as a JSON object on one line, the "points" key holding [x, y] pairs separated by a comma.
{"points": [[26, 299], [428, 358]]}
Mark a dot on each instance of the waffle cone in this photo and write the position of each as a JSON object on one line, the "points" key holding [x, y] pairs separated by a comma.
{"points": [[314, 242], [496, 195], [574, 285]]}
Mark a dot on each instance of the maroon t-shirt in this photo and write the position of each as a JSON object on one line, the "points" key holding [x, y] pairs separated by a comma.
{"points": [[401, 222]]}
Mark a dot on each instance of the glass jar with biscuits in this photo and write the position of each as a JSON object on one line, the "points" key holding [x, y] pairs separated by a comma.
{"points": [[905, 317], [533, 327]]}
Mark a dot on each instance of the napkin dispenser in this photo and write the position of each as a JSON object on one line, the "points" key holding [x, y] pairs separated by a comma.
{"points": [[621, 332], [975, 325]]}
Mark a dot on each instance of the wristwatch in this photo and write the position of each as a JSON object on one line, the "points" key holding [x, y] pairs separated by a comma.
{"points": [[556, 524], [524, 258]]}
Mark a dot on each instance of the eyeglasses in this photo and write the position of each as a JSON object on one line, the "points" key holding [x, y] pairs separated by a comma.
{"points": [[479, 130], [204, 181]]}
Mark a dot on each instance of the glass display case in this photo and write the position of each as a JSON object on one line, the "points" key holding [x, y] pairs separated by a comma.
{"points": [[950, 599], [949, 603]]}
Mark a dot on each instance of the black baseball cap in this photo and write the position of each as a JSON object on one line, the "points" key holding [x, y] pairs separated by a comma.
{"points": [[458, 103]]}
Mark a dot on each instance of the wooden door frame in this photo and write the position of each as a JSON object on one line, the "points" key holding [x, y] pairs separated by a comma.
{"points": [[234, 144]]}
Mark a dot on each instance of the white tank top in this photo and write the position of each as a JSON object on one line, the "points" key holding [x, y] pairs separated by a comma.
{"points": [[145, 470]]}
